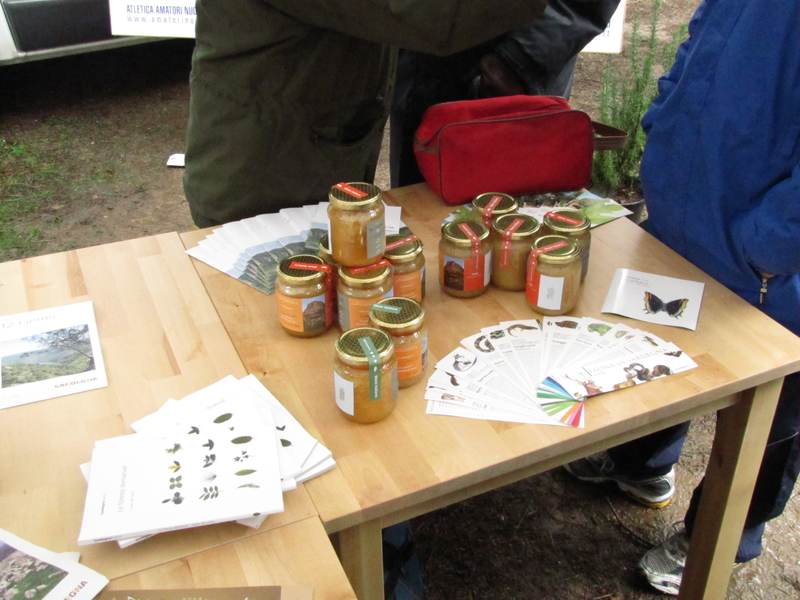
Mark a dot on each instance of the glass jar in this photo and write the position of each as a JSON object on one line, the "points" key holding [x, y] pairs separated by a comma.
{"points": [[358, 289], [554, 275], [365, 375], [465, 258], [487, 207], [301, 292], [406, 257], [511, 245], [404, 320], [573, 224], [357, 229], [325, 254]]}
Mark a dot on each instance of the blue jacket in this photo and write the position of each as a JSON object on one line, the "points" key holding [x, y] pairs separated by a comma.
{"points": [[721, 166]]}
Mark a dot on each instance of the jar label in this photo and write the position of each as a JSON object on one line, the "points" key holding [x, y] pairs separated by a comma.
{"points": [[373, 368], [466, 274], [376, 237], [545, 291], [488, 210], [564, 218], [345, 394], [349, 189], [354, 312], [303, 315], [505, 246], [411, 359], [410, 285]]}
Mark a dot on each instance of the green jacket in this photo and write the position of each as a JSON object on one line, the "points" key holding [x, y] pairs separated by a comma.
{"points": [[289, 97]]}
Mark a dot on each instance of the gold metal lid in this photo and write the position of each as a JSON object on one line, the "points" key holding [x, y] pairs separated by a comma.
{"points": [[505, 205], [298, 274], [452, 231], [566, 221], [351, 351], [397, 315], [404, 253], [528, 228], [366, 276], [564, 249], [354, 195]]}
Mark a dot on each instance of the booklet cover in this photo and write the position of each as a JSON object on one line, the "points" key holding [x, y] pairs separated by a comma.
{"points": [[30, 572], [270, 592], [49, 353], [655, 298]]}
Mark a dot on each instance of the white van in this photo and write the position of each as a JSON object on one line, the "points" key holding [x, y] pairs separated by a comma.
{"points": [[36, 29]]}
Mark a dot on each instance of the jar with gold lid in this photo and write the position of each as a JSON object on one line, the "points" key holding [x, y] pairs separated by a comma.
{"points": [[465, 258], [365, 375], [514, 234], [359, 288], [324, 253], [574, 224], [301, 292], [404, 252], [404, 320], [357, 228], [554, 275], [487, 207]]}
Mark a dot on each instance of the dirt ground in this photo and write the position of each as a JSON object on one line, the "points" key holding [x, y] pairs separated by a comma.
{"points": [[92, 136]]}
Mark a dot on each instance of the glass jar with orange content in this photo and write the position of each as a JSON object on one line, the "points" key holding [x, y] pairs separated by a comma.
{"points": [[357, 229], [489, 206], [554, 275], [358, 289], [573, 224], [365, 375], [514, 234], [301, 292], [324, 253], [404, 320], [404, 252], [465, 258]]}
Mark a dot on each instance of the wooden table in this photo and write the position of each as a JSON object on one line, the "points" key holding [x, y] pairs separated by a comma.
{"points": [[413, 463], [161, 338]]}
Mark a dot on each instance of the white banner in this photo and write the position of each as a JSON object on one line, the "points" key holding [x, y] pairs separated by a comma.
{"points": [[166, 18]]}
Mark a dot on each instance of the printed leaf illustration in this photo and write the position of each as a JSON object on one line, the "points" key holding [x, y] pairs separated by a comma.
{"points": [[223, 418], [174, 449], [209, 493], [244, 472], [176, 466], [209, 460], [194, 430], [249, 485], [242, 440], [280, 428], [209, 444], [285, 443], [177, 499], [244, 456], [175, 482]]}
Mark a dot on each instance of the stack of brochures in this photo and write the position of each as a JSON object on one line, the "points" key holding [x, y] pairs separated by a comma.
{"points": [[541, 372], [251, 249], [224, 453]]}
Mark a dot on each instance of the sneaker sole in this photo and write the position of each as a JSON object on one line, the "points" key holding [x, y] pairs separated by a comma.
{"points": [[624, 488]]}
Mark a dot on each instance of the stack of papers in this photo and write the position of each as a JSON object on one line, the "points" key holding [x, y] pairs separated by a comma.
{"points": [[541, 372], [224, 453], [251, 249]]}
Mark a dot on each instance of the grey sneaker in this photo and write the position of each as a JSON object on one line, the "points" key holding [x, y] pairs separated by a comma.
{"points": [[663, 565], [654, 492]]}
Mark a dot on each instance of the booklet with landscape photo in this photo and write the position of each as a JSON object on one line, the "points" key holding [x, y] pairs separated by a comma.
{"points": [[49, 353], [655, 298], [29, 572]]}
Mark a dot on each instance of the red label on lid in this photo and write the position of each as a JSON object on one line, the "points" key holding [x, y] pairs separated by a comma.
{"points": [[349, 189]]}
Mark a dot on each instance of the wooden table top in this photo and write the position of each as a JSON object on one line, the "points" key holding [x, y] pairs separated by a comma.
{"points": [[161, 338], [411, 458]]}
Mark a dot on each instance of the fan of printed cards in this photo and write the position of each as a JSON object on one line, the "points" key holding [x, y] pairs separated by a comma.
{"points": [[541, 372]]}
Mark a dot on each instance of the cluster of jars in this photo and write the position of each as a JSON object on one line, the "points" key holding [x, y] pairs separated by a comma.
{"points": [[373, 286], [514, 251]]}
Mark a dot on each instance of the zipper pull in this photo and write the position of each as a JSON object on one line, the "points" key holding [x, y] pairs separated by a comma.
{"points": [[763, 291]]}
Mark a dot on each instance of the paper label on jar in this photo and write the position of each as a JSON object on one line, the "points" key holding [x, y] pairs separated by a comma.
{"points": [[354, 312], [410, 359], [345, 394], [376, 237], [302, 314], [467, 274], [545, 291], [409, 285]]}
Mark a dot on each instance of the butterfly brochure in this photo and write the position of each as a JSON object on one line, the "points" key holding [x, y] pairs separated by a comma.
{"points": [[655, 298]]}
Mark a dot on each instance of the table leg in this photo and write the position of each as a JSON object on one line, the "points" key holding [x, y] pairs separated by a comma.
{"points": [[361, 553], [739, 441]]}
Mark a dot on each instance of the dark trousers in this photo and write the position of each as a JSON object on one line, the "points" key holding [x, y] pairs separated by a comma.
{"points": [[654, 455]]}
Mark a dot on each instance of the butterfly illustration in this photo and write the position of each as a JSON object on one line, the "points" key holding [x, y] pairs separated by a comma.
{"points": [[654, 304]]}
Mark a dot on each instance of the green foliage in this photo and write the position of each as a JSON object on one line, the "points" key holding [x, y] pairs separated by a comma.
{"points": [[625, 95]]}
